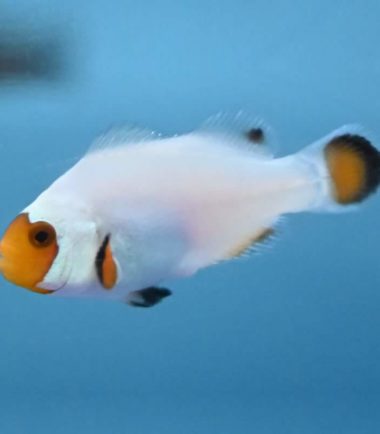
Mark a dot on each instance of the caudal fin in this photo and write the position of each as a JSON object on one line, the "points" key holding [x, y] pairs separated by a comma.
{"points": [[350, 165], [354, 166]]}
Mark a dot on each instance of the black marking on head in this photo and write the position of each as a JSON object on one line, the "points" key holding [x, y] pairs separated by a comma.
{"points": [[256, 135], [100, 256], [148, 297], [370, 156]]}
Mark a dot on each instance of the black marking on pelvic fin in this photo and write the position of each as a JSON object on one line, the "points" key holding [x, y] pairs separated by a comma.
{"points": [[256, 135], [100, 258], [369, 154], [148, 297]]}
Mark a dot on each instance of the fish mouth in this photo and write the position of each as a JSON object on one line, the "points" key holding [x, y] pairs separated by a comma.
{"points": [[39, 288], [47, 289], [40, 291]]}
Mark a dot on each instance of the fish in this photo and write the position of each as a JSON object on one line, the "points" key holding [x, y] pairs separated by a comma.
{"points": [[141, 209]]}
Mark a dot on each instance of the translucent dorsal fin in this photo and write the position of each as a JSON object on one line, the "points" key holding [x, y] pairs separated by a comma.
{"points": [[242, 130], [250, 134], [127, 135]]}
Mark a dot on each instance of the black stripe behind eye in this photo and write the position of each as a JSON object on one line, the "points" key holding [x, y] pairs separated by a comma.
{"points": [[100, 258]]}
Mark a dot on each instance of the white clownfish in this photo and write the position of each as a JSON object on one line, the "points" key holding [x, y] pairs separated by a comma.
{"points": [[138, 209]]}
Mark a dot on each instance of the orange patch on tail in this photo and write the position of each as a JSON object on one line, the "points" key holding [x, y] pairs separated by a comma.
{"points": [[348, 171]]}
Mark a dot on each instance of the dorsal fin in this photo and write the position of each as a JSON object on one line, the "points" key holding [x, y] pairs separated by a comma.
{"points": [[233, 130], [127, 135], [241, 130]]}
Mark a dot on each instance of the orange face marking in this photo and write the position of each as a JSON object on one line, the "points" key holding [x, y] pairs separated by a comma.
{"points": [[27, 252]]}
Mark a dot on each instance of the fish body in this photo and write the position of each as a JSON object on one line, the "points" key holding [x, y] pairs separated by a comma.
{"points": [[138, 210]]}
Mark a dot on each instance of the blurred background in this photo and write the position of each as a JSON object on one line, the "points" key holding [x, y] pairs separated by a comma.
{"points": [[284, 342]]}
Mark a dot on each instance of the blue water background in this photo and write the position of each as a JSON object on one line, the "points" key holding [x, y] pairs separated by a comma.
{"points": [[286, 342]]}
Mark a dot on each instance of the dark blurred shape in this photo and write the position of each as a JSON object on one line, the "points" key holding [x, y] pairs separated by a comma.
{"points": [[25, 56], [256, 135]]}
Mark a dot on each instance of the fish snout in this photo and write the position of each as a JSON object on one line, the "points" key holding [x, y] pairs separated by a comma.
{"points": [[27, 252]]}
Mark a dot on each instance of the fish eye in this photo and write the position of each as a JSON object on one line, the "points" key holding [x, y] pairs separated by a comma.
{"points": [[42, 234]]}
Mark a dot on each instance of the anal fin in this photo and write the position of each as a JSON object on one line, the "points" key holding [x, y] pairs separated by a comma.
{"points": [[263, 236], [147, 297]]}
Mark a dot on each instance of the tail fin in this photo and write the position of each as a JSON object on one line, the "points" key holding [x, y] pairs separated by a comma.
{"points": [[349, 163]]}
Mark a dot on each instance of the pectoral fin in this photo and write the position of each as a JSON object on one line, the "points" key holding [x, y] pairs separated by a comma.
{"points": [[105, 265], [147, 297]]}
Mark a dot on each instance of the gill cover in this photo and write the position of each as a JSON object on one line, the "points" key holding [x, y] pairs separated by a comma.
{"points": [[27, 252]]}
